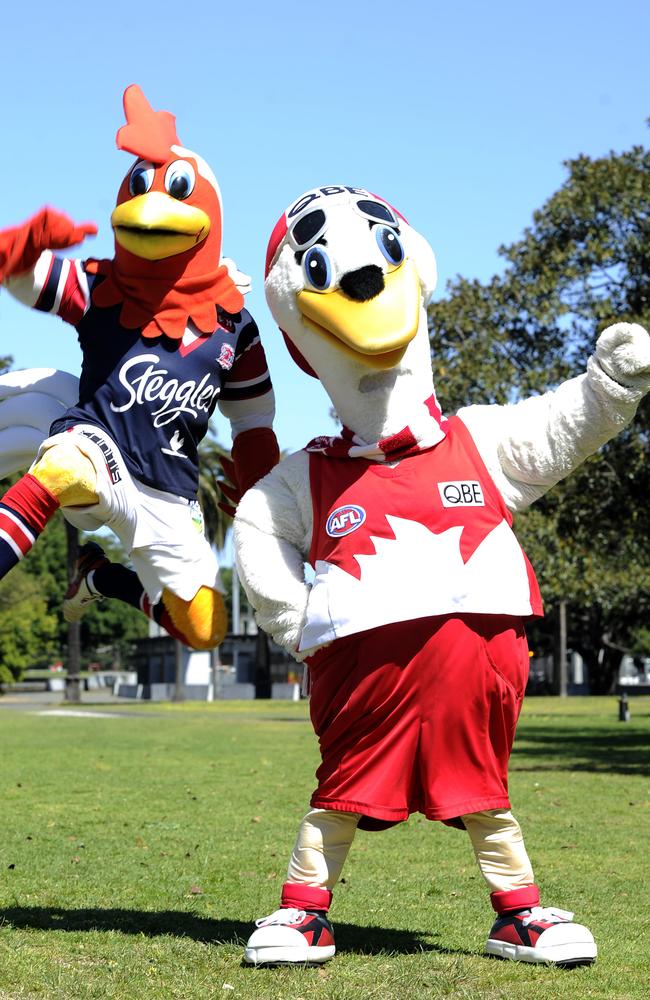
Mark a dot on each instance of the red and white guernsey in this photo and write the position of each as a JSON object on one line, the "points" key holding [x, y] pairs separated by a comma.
{"points": [[429, 536]]}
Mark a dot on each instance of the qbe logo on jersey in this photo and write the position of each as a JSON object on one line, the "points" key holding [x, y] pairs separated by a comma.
{"points": [[343, 520], [461, 493]]}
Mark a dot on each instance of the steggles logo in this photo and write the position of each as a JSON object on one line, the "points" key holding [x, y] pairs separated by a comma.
{"points": [[151, 385]]}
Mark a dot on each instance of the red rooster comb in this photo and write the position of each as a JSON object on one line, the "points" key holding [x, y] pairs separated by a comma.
{"points": [[148, 134]]}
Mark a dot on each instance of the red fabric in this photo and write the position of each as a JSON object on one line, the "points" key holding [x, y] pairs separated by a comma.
{"points": [[147, 134], [419, 716], [515, 899], [342, 482], [305, 897], [32, 501], [160, 301], [21, 246], [510, 934], [73, 300], [254, 453]]}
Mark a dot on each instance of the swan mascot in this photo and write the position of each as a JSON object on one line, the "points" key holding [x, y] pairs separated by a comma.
{"points": [[412, 626]]}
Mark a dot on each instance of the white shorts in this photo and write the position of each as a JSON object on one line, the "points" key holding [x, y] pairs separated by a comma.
{"points": [[162, 533]]}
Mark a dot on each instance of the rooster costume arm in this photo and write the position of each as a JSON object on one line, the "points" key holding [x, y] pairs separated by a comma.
{"points": [[21, 246], [34, 275]]}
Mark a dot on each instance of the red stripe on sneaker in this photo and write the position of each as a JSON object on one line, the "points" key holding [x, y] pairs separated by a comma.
{"points": [[305, 897], [526, 897]]}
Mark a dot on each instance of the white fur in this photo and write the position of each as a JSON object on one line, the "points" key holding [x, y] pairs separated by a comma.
{"points": [[370, 401], [30, 400]]}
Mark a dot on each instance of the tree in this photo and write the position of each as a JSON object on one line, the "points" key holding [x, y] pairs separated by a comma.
{"points": [[217, 522], [27, 630], [582, 264]]}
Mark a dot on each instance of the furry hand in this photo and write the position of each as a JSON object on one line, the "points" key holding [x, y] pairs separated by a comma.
{"points": [[21, 246], [623, 352]]}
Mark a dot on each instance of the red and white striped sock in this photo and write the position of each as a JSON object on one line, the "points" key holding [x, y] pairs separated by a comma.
{"points": [[25, 509]]}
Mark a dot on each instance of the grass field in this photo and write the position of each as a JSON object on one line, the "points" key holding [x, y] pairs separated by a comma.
{"points": [[136, 851]]}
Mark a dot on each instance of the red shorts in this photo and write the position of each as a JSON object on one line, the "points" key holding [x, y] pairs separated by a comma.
{"points": [[419, 717]]}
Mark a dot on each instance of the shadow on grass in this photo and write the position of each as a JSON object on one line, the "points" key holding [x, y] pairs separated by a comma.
{"points": [[349, 937], [622, 750]]}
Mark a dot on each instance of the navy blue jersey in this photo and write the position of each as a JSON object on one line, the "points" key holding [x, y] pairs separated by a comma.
{"points": [[155, 397]]}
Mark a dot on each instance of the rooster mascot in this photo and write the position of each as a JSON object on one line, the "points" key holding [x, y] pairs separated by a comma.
{"points": [[412, 624], [165, 339]]}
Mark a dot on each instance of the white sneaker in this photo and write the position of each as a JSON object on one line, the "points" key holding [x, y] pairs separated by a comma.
{"points": [[291, 936], [80, 593], [541, 934]]}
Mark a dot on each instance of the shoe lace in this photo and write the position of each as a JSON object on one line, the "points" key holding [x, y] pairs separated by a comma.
{"points": [[550, 914], [285, 915]]}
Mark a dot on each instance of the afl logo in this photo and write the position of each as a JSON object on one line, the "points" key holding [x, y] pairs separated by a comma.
{"points": [[343, 520]]}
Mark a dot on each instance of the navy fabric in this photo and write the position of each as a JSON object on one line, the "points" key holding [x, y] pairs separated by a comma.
{"points": [[155, 397]]}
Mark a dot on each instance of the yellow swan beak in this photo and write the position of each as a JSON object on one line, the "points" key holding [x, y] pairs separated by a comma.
{"points": [[379, 329]]}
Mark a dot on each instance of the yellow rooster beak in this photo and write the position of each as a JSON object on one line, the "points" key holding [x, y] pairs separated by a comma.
{"points": [[155, 226]]}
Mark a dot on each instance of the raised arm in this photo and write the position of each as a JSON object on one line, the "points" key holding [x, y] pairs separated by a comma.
{"points": [[34, 275], [531, 445]]}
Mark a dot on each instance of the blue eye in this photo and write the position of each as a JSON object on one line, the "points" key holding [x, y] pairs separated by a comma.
{"points": [[180, 179], [390, 244], [141, 178], [317, 268]]}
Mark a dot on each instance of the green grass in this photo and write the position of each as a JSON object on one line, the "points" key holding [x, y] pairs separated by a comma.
{"points": [[136, 851]]}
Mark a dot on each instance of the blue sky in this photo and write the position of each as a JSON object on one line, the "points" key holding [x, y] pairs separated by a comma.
{"points": [[460, 114]]}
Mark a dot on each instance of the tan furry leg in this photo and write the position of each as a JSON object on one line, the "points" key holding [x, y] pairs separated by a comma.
{"points": [[203, 621], [68, 474], [499, 848], [322, 845]]}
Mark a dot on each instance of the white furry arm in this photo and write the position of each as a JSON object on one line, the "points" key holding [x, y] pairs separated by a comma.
{"points": [[531, 445], [273, 528]]}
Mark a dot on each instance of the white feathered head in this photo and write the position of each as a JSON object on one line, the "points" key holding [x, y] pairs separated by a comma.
{"points": [[346, 274]]}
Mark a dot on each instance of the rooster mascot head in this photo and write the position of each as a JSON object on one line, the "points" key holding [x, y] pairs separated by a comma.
{"points": [[167, 222]]}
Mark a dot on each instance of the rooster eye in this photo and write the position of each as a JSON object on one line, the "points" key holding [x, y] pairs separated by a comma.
{"points": [[390, 244], [141, 178], [317, 268], [180, 179]]}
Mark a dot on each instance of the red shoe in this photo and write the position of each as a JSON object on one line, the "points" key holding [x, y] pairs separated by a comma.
{"points": [[80, 593], [291, 936], [541, 934]]}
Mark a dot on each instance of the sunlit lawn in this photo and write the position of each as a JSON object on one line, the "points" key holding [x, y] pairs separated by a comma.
{"points": [[137, 850]]}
